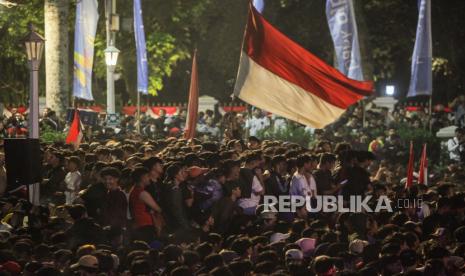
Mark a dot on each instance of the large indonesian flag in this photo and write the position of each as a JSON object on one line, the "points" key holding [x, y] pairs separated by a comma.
{"points": [[279, 76]]}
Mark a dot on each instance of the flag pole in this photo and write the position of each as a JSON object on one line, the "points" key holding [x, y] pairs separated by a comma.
{"points": [[431, 112], [138, 112], [363, 113]]}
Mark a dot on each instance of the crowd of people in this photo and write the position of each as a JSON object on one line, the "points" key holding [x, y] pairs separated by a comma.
{"points": [[157, 204]]}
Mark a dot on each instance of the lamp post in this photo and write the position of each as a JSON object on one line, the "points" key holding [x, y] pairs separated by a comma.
{"points": [[111, 58], [34, 48], [111, 53]]}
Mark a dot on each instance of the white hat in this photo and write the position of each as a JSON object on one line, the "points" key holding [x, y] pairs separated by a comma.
{"points": [[276, 237]]}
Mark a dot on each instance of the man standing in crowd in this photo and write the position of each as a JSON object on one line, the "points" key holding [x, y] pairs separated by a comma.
{"points": [[358, 176], [155, 167], [275, 184], [456, 146], [251, 186], [173, 203], [54, 180], [301, 185], [115, 206], [323, 175]]}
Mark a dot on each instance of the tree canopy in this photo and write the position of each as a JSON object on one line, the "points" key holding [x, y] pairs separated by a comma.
{"points": [[175, 28]]}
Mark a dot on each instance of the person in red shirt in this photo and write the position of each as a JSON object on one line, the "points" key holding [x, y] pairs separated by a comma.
{"points": [[143, 207]]}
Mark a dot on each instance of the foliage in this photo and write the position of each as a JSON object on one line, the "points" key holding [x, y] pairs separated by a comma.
{"points": [[50, 136], [293, 133], [174, 28], [418, 136], [14, 73]]}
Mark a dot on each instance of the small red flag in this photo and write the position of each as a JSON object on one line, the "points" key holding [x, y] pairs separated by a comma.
{"points": [[193, 107], [75, 131], [409, 182], [423, 172]]}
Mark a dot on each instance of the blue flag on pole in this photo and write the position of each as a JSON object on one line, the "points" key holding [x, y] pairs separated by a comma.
{"points": [[259, 5], [421, 81], [343, 28], [142, 68], [84, 36]]}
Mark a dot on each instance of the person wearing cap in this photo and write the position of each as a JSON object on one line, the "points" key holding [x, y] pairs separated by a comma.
{"points": [[294, 256], [141, 206], [86, 266]]}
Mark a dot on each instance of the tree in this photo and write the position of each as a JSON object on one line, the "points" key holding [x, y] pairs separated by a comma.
{"points": [[56, 13], [14, 73]]}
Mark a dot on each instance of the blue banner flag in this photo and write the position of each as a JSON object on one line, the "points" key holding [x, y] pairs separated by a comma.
{"points": [[142, 68], [343, 28], [421, 81], [84, 36], [259, 5]]}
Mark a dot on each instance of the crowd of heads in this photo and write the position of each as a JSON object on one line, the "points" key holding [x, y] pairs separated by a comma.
{"points": [[162, 205]]}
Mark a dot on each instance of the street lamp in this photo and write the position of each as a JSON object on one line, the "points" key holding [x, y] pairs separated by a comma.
{"points": [[34, 48], [390, 90], [111, 58]]}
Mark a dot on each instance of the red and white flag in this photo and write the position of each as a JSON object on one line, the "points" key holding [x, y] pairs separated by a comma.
{"points": [[193, 106], [409, 182], [423, 172], [279, 76], [75, 132]]}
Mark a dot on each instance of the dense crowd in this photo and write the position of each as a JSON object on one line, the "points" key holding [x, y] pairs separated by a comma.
{"points": [[157, 204]]}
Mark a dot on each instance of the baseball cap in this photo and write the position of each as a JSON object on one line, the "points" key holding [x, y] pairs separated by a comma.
{"points": [[87, 262], [294, 254], [307, 245], [196, 171], [276, 237]]}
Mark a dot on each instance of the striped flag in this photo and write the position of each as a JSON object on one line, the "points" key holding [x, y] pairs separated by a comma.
{"points": [[193, 107], [84, 36], [421, 81], [75, 132], [409, 182], [423, 172], [279, 76], [142, 68]]}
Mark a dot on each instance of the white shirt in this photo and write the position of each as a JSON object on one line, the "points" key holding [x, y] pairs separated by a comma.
{"points": [[73, 181], [255, 124], [454, 149], [302, 186], [254, 198]]}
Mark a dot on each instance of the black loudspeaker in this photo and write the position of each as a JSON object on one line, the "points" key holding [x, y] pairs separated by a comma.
{"points": [[88, 117], [23, 162]]}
